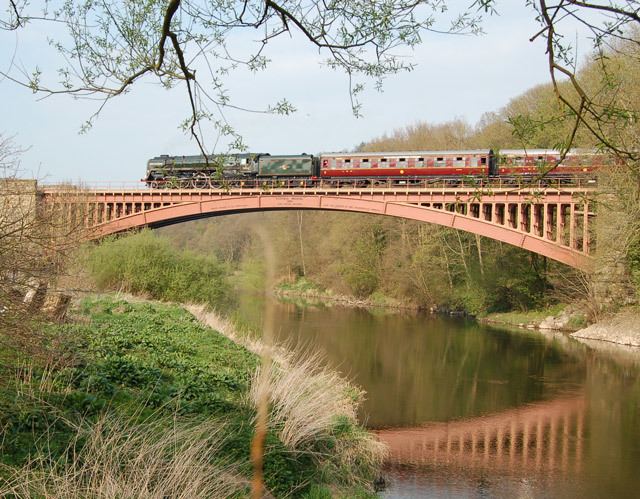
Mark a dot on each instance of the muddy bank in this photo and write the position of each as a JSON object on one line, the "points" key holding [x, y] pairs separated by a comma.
{"points": [[623, 328]]}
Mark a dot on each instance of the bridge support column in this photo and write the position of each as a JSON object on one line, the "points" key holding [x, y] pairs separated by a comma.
{"points": [[523, 218], [572, 226], [560, 219], [585, 228]]}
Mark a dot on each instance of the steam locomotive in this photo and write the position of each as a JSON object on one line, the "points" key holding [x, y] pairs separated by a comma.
{"points": [[362, 168]]}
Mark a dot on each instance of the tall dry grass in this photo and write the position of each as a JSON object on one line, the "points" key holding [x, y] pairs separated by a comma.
{"points": [[309, 404], [227, 328], [314, 410], [118, 457], [306, 400]]}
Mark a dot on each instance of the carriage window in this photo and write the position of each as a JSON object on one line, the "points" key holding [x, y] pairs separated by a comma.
{"points": [[483, 161], [402, 159], [347, 160], [365, 160], [459, 161], [421, 159], [519, 161], [440, 162]]}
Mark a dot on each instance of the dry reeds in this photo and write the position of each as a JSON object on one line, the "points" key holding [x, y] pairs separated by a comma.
{"points": [[227, 328], [117, 457], [311, 406], [305, 400], [308, 402]]}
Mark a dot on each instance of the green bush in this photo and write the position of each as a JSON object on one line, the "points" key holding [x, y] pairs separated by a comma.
{"points": [[146, 264]]}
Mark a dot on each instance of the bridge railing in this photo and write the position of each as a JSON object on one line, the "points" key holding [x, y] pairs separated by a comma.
{"points": [[264, 184]]}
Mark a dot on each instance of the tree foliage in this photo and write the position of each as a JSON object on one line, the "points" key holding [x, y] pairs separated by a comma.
{"points": [[612, 27], [145, 264], [109, 45]]}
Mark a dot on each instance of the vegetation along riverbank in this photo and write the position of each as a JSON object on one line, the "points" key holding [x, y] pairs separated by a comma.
{"points": [[136, 377]]}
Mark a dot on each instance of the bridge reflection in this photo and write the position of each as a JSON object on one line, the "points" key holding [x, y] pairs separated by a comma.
{"points": [[544, 436]]}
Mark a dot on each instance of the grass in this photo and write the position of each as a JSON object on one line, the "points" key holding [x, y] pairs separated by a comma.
{"points": [[301, 285], [577, 321], [305, 292], [143, 371], [313, 411], [119, 457], [516, 318]]}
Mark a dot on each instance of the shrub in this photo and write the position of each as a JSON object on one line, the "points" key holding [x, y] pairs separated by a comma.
{"points": [[145, 264]]}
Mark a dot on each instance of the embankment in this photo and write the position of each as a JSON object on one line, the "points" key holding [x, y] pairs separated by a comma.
{"points": [[623, 328], [144, 369]]}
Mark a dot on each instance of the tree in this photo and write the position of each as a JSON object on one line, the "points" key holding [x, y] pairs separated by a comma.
{"points": [[596, 106], [33, 245], [110, 45]]}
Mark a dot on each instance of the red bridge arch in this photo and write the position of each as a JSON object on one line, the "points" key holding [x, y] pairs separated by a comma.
{"points": [[551, 222]]}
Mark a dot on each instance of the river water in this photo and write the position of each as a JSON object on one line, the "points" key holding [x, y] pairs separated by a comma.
{"points": [[475, 411]]}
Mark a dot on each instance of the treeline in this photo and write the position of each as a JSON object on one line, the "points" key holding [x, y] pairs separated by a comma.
{"points": [[368, 255], [428, 265], [537, 119]]}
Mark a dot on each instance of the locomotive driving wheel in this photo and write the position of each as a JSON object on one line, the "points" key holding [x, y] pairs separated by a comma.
{"points": [[201, 181]]}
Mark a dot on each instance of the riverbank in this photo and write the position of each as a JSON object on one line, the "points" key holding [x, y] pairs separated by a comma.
{"points": [[140, 370], [623, 328], [559, 317], [307, 292]]}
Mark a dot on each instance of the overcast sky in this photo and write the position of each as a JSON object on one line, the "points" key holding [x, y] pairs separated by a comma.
{"points": [[456, 77]]}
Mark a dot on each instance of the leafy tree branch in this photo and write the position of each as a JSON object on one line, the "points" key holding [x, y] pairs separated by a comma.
{"points": [[109, 45]]}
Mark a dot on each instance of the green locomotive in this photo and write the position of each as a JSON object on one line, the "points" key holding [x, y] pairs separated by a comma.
{"points": [[234, 169]]}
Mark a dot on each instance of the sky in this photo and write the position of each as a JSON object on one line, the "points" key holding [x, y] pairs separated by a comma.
{"points": [[455, 77]]}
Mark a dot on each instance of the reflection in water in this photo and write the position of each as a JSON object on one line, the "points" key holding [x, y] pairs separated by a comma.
{"points": [[536, 437], [477, 411], [418, 368]]}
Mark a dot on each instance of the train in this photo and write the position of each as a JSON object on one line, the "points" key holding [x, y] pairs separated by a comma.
{"points": [[363, 168]]}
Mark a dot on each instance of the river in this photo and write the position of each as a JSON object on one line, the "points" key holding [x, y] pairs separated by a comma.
{"points": [[475, 411]]}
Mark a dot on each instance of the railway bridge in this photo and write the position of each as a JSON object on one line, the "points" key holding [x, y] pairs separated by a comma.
{"points": [[552, 218]]}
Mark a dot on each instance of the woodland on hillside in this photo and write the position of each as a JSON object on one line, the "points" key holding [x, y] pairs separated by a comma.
{"points": [[425, 265]]}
